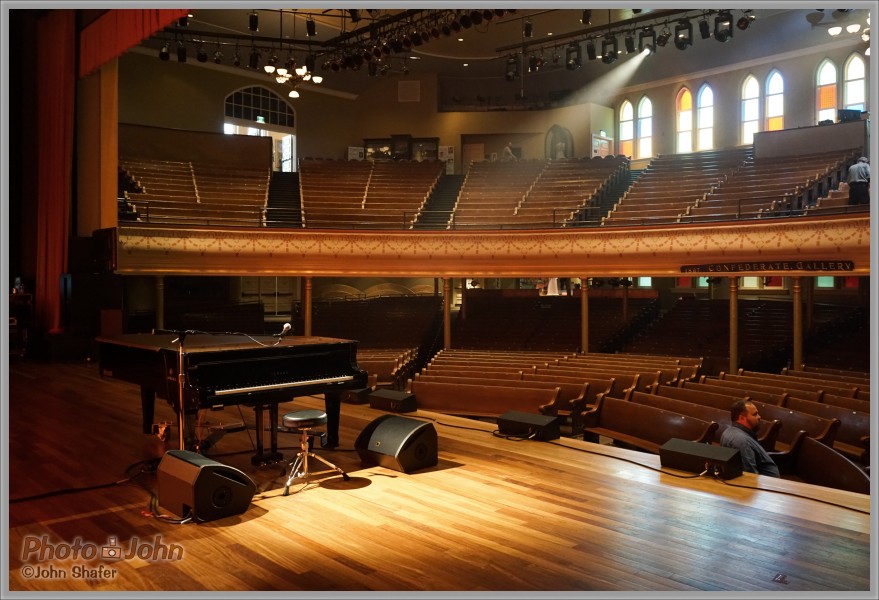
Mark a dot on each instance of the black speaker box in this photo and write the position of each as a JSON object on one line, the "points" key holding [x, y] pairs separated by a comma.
{"points": [[392, 401], [398, 443], [528, 425], [190, 484], [696, 457], [358, 396]]}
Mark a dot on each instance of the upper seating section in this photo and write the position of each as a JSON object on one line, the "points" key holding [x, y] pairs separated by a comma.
{"points": [[532, 193], [373, 194]]}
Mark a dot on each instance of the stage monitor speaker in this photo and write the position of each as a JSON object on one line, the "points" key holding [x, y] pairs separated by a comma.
{"points": [[514, 423], [358, 396], [696, 457], [393, 401], [398, 443], [190, 484]]}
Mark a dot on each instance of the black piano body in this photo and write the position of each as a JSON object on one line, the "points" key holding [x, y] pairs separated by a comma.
{"points": [[225, 369]]}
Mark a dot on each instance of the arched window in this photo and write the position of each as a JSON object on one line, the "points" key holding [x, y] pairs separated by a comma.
{"points": [[750, 109], [627, 129], [645, 128], [259, 111], [684, 109], [826, 92], [855, 87], [705, 118], [774, 102]]}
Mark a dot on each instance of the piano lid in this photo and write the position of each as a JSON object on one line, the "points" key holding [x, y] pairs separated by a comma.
{"points": [[207, 342]]}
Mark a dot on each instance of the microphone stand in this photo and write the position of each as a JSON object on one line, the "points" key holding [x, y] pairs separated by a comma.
{"points": [[181, 387]]}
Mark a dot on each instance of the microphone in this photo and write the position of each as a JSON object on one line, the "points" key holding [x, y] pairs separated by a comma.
{"points": [[287, 327]]}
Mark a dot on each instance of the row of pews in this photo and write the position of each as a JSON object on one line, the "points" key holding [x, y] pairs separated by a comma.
{"points": [[642, 401]]}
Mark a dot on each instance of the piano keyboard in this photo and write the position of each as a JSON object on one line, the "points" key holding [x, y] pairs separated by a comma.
{"points": [[282, 386]]}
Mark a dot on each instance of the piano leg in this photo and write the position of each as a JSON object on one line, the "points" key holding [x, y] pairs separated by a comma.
{"points": [[333, 408], [261, 457], [147, 408]]}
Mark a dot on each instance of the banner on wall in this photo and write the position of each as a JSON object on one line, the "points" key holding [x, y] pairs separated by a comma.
{"points": [[356, 153]]}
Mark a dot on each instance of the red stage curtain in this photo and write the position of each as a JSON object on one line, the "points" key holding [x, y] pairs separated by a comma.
{"points": [[117, 31], [56, 52]]}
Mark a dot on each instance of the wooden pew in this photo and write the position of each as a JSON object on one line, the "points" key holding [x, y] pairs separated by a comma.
{"points": [[737, 391], [857, 404], [766, 435], [853, 435], [794, 421], [818, 464], [761, 385], [792, 383], [479, 400], [641, 426]]}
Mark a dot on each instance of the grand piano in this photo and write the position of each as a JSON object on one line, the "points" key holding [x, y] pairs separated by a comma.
{"points": [[218, 370]]}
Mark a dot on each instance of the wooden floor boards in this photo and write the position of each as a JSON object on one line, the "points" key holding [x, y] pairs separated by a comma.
{"points": [[493, 515]]}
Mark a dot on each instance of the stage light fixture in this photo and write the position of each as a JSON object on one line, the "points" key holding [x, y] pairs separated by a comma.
{"points": [[663, 37], [201, 55], [630, 43], [745, 21], [683, 35], [723, 27], [181, 52], [354, 14], [586, 18], [528, 29], [573, 57], [218, 57], [254, 58], [704, 29], [310, 28], [465, 21], [253, 21], [609, 50], [512, 72], [487, 15], [590, 50], [476, 17], [647, 41], [269, 67], [236, 59], [165, 53]]}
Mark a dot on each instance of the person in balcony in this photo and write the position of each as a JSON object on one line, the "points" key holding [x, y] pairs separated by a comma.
{"points": [[859, 182]]}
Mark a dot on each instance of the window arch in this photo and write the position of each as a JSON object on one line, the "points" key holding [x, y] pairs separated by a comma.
{"points": [[774, 102], [855, 86], [750, 109], [705, 118], [826, 91], [627, 129], [259, 105], [684, 110], [645, 128]]}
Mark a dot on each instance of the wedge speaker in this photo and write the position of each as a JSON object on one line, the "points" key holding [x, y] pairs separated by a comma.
{"points": [[398, 443], [695, 457], [190, 484]]}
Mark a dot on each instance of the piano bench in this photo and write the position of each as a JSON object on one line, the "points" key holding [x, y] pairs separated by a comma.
{"points": [[304, 419]]}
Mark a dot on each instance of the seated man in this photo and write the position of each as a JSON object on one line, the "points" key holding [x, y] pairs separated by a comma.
{"points": [[743, 437]]}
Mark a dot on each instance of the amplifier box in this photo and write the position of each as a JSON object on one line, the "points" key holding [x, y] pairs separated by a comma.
{"points": [[528, 425], [392, 401], [695, 457]]}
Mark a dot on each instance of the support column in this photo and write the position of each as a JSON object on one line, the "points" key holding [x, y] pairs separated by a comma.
{"points": [[306, 307], [584, 315], [160, 301], [733, 324], [447, 313], [798, 323], [809, 301], [625, 303]]}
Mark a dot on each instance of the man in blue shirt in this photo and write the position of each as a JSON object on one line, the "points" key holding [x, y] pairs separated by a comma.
{"points": [[742, 436]]}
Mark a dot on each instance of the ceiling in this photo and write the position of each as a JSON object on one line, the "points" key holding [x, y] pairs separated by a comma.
{"points": [[344, 39]]}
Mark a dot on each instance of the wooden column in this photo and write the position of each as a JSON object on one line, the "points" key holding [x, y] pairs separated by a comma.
{"points": [[733, 324], [160, 301], [625, 303], [798, 323], [584, 315], [447, 313], [306, 307]]}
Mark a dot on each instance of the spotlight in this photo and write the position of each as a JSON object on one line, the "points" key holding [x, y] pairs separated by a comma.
{"points": [[310, 29], [512, 73], [535, 63], [487, 15], [253, 21], [476, 17], [425, 35], [254, 59], [573, 57], [218, 57], [236, 59], [586, 19], [181, 52], [465, 21], [446, 29], [165, 53], [201, 54], [416, 38], [704, 29], [723, 28], [745, 21], [590, 50], [183, 21], [455, 25], [354, 14], [647, 41], [630, 43], [528, 29], [683, 35], [609, 50], [499, 12], [662, 39]]}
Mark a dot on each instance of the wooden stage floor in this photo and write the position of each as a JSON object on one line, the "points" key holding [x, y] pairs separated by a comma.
{"points": [[495, 515]]}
